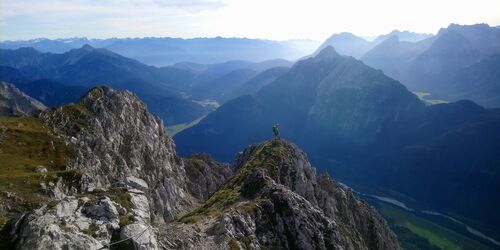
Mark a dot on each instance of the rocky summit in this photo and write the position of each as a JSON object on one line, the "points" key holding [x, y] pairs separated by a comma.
{"points": [[15, 102], [276, 201], [115, 181]]}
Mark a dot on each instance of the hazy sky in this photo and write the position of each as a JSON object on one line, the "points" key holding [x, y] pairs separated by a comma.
{"points": [[271, 19]]}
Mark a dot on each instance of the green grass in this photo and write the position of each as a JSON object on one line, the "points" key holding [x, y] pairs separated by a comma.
{"points": [[233, 244], [423, 96], [177, 128], [265, 157], [91, 230], [435, 234], [26, 143], [79, 115], [209, 103]]}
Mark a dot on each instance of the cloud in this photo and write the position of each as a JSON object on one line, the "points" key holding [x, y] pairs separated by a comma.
{"points": [[193, 5], [273, 19], [49, 8]]}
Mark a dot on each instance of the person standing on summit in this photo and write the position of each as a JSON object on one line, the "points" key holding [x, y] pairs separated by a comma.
{"points": [[276, 131]]}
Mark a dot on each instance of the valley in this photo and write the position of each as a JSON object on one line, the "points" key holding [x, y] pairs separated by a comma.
{"points": [[239, 125], [441, 231]]}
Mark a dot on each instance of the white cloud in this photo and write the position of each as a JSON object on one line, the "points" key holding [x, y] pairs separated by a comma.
{"points": [[274, 19]]}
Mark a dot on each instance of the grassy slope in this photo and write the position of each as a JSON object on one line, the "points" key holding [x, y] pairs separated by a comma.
{"points": [[423, 96], [177, 128], [435, 234], [265, 157], [25, 144]]}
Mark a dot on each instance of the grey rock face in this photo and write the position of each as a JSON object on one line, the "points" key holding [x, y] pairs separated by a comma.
{"points": [[280, 203], [118, 140], [104, 209], [142, 235], [65, 226], [134, 187], [136, 183], [13, 102], [119, 144], [204, 175], [41, 169]]}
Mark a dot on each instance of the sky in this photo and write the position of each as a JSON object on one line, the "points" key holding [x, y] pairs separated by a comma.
{"points": [[267, 19]]}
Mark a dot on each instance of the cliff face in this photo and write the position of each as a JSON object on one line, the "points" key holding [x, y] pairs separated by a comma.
{"points": [[205, 175], [275, 200], [128, 187], [14, 102], [116, 137], [128, 178]]}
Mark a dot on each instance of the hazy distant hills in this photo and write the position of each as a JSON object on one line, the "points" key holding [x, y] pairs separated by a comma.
{"points": [[347, 44], [14, 102], [252, 86], [436, 64], [369, 130], [329, 92], [170, 92], [351, 45], [166, 51], [88, 67], [393, 56], [405, 36], [224, 81], [480, 82]]}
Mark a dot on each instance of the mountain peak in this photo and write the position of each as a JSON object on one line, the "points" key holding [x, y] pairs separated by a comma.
{"points": [[344, 35], [87, 47], [327, 52], [14, 102], [274, 185]]}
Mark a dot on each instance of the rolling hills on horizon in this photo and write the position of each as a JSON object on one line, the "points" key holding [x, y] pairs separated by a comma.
{"points": [[163, 51], [171, 92]]}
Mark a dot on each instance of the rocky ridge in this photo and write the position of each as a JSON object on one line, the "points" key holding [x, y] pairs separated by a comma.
{"points": [[275, 200], [131, 178], [133, 190], [14, 102]]}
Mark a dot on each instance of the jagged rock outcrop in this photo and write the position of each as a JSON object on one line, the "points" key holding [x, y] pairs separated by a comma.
{"points": [[116, 137], [88, 221], [132, 190], [275, 200], [72, 223], [13, 102], [205, 175]]}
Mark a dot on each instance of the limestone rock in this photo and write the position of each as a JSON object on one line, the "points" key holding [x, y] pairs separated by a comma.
{"points": [[13, 102], [136, 183], [141, 234], [119, 140], [275, 200], [204, 175], [64, 226]]}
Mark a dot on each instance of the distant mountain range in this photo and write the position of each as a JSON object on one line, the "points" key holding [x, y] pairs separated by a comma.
{"points": [[14, 102], [458, 63], [165, 51], [405, 36], [121, 185], [171, 92], [351, 45], [435, 64], [369, 130], [80, 69], [224, 81]]}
